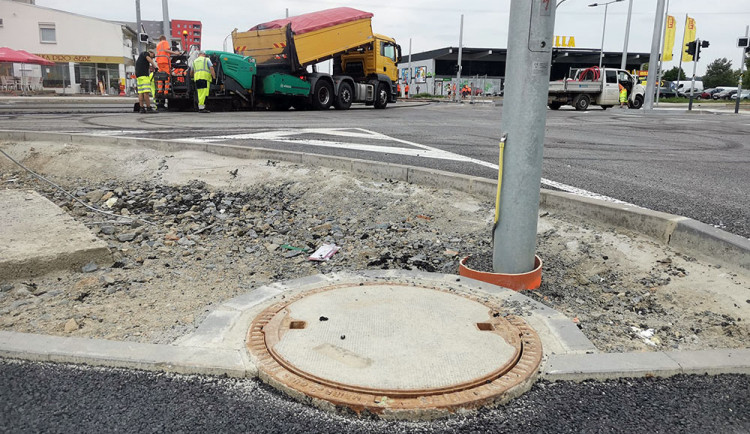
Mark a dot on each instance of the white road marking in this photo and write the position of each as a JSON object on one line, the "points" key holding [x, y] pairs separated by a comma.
{"points": [[424, 151]]}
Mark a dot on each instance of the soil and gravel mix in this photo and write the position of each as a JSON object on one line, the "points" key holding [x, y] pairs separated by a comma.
{"points": [[211, 228]]}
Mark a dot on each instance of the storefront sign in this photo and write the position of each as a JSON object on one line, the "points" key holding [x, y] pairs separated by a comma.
{"points": [[565, 41], [78, 58]]}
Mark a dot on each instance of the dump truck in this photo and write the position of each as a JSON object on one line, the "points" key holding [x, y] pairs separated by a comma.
{"points": [[287, 50], [273, 66], [595, 86]]}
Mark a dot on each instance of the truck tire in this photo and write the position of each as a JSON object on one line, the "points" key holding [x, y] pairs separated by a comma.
{"points": [[344, 98], [381, 96], [322, 95], [554, 106], [581, 102], [637, 102]]}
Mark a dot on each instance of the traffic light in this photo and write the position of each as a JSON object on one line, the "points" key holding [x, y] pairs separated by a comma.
{"points": [[691, 46]]}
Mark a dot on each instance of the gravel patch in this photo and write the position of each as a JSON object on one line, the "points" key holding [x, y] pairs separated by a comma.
{"points": [[210, 228]]}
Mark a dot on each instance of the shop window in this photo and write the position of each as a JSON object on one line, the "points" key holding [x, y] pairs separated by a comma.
{"points": [[47, 34]]}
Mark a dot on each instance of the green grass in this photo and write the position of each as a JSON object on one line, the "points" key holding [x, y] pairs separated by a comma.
{"points": [[695, 100]]}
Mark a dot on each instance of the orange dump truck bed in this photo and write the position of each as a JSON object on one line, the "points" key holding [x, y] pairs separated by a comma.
{"points": [[305, 39]]}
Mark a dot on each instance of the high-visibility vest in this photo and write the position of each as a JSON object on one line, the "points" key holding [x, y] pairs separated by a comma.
{"points": [[161, 54], [201, 70]]}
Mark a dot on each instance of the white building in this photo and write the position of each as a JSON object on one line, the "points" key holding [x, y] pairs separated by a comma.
{"points": [[86, 51]]}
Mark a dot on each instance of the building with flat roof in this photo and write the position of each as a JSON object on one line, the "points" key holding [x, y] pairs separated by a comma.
{"points": [[90, 54], [154, 30], [484, 68]]}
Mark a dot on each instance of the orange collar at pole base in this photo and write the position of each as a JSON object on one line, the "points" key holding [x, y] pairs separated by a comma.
{"points": [[516, 282]]}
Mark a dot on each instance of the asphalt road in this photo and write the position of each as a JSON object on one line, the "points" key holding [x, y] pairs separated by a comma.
{"points": [[691, 164], [58, 398]]}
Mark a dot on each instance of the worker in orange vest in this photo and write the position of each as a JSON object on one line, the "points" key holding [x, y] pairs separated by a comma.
{"points": [[163, 54], [407, 90]]}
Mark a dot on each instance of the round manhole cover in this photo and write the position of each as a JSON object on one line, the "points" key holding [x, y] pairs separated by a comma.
{"points": [[394, 348]]}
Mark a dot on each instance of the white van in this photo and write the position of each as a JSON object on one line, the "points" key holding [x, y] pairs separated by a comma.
{"points": [[682, 88]]}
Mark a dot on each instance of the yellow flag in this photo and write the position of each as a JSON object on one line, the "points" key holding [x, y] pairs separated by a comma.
{"points": [[669, 32], [689, 37]]}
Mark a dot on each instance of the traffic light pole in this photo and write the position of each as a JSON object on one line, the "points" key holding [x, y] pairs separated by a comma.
{"points": [[695, 64]]}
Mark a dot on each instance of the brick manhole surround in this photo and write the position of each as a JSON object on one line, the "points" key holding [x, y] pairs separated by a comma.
{"points": [[367, 369]]}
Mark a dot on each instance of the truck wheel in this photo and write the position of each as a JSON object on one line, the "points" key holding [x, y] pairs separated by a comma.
{"points": [[555, 106], [323, 95], [381, 96], [637, 102], [581, 102], [344, 98]]}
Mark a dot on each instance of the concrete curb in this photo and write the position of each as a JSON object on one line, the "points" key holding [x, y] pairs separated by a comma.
{"points": [[578, 367], [100, 352], [678, 232]]}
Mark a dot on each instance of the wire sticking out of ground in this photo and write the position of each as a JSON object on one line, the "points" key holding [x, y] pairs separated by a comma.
{"points": [[111, 214]]}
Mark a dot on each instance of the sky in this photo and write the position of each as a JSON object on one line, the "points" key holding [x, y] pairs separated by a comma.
{"points": [[432, 24]]}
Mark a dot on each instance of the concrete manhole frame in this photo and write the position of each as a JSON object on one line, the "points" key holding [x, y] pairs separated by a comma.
{"points": [[510, 380]]}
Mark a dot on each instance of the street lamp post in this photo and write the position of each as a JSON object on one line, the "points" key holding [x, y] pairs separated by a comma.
{"points": [[604, 27]]}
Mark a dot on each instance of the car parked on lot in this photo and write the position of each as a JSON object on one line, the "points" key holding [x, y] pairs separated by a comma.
{"points": [[726, 93], [708, 93], [745, 95]]}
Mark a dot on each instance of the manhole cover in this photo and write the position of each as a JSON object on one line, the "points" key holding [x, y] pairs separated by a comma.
{"points": [[394, 348]]}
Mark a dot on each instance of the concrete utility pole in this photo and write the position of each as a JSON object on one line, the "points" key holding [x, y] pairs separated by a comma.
{"points": [[661, 44], [457, 90], [166, 27], [739, 83], [623, 63], [409, 80], [524, 117], [654, 58], [138, 25]]}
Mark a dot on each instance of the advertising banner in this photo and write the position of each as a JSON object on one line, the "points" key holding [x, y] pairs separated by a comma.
{"points": [[690, 30], [669, 35]]}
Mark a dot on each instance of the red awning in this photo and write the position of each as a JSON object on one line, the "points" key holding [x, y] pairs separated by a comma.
{"points": [[21, 56], [8, 55], [316, 20], [33, 58]]}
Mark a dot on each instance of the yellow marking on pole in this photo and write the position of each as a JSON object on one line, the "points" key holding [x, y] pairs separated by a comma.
{"points": [[499, 178]]}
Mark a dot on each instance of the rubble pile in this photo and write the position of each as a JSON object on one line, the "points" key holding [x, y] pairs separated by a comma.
{"points": [[180, 249]]}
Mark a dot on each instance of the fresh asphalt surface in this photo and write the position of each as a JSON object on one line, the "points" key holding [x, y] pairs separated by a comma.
{"points": [[57, 398], [691, 164]]}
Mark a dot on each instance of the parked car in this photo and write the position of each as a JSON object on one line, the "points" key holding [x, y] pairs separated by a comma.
{"points": [[708, 93], [745, 95], [725, 94], [665, 92]]}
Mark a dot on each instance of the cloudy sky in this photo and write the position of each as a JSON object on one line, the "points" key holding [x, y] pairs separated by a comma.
{"points": [[435, 23]]}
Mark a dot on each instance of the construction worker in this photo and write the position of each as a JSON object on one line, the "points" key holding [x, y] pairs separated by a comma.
{"points": [[145, 59], [406, 89], [163, 54], [623, 95], [203, 73]]}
